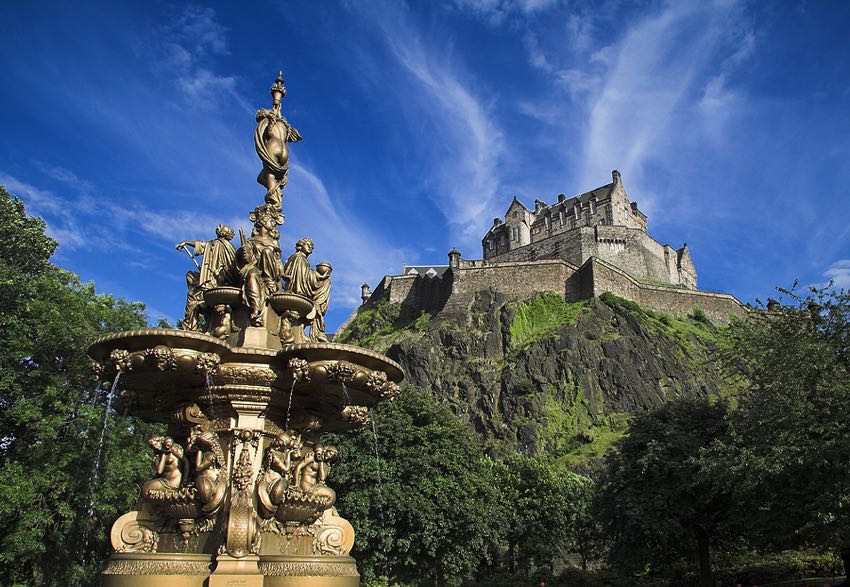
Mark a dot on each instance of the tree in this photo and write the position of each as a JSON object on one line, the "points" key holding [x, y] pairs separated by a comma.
{"points": [[789, 445], [656, 501], [431, 514], [60, 486], [545, 508]]}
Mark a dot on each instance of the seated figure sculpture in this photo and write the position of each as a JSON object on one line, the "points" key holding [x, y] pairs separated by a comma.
{"points": [[312, 472], [274, 482], [314, 284], [210, 480], [167, 468], [218, 267]]}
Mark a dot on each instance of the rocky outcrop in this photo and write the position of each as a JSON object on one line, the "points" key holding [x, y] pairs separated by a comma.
{"points": [[566, 388]]}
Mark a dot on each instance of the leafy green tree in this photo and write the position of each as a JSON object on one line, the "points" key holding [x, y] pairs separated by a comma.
{"points": [[789, 446], [656, 501], [431, 513], [60, 486], [545, 507]]}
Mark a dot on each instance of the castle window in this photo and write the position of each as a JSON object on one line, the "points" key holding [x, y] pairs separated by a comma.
{"points": [[592, 207], [561, 217], [577, 211], [490, 244], [514, 233]]}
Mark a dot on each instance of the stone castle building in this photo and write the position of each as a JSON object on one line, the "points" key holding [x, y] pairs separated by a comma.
{"points": [[578, 247], [602, 223]]}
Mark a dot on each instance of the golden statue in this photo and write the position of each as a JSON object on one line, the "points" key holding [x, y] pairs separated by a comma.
{"points": [[259, 261], [218, 267], [270, 139], [314, 284]]}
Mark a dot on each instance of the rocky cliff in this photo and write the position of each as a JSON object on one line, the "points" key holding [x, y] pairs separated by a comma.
{"points": [[546, 375]]}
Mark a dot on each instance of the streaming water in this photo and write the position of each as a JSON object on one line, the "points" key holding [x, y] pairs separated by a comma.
{"points": [[374, 418], [209, 384], [98, 455], [289, 405], [345, 394]]}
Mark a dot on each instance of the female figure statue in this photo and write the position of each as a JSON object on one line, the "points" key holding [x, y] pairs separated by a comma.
{"points": [[167, 467], [270, 139], [210, 483]]}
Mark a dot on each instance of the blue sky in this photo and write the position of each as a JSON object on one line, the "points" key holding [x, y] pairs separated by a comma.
{"points": [[128, 127]]}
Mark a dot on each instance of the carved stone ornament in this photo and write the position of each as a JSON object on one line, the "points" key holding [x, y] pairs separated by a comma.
{"points": [[120, 360], [357, 416], [162, 357], [206, 363], [300, 370], [341, 372], [390, 391], [332, 534], [344, 568], [246, 375], [376, 381], [130, 535], [120, 566]]}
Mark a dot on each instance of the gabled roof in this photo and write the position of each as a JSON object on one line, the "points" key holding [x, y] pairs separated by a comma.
{"points": [[430, 271]]}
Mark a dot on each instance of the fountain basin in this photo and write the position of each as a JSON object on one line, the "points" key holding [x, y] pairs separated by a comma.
{"points": [[163, 370], [223, 296], [289, 302]]}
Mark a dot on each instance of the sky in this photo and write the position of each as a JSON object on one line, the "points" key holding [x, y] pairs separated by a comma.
{"points": [[128, 127]]}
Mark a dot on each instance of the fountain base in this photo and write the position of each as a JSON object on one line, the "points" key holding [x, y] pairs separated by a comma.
{"points": [[193, 570]]}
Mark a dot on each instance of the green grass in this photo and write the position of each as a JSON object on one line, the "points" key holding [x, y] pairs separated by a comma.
{"points": [[541, 316], [683, 329], [379, 327]]}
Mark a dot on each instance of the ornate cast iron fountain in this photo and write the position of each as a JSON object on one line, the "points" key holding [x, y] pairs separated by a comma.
{"points": [[247, 386]]}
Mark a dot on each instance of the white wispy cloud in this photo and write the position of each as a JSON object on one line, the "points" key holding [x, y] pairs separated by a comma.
{"points": [[356, 250], [467, 148], [186, 49], [839, 274], [655, 85]]}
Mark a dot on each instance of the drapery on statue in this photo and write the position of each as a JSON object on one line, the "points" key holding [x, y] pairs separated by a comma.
{"points": [[218, 267], [270, 139], [259, 261], [311, 283]]}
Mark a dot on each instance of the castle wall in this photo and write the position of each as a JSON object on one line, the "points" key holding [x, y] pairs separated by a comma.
{"points": [[599, 277], [514, 280], [632, 249]]}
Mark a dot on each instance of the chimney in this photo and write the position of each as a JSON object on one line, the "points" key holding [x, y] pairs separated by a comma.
{"points": [[615, 175], [538, 206], [365, 292], [454, 258], [496, 222], [561, 198]]}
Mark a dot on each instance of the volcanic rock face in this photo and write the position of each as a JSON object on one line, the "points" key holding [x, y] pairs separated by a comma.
{"points": [[528, 381]]}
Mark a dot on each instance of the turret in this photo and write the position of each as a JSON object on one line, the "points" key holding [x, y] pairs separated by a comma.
{"points": [[454, 258]]}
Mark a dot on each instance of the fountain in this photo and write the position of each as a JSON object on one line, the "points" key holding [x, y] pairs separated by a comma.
{"points": [[246, 386]]}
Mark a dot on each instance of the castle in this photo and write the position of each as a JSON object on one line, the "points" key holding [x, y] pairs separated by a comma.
{"points": [[578, 247]]}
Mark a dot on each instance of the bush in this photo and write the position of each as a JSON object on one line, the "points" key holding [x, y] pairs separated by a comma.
{"points": [[698, 315]]}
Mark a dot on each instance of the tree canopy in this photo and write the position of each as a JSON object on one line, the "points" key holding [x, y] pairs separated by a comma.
{"points": [[56, 506], [655, 500]]}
